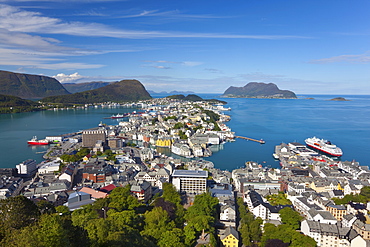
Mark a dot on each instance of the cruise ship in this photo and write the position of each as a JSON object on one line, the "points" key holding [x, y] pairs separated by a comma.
{"points": [[324, 146]]}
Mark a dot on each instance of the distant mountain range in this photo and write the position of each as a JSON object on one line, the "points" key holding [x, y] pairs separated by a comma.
{"points": [[258, 90], [29, 86], [85, 86], [122, 91], [172, 92]]}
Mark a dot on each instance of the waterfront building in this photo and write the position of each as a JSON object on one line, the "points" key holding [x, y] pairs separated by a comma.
{"points": [[192, 182], [9, 172], [90, 137], [27, 168]]}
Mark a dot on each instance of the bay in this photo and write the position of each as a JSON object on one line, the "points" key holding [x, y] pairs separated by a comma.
{"points": [[345, 123]]}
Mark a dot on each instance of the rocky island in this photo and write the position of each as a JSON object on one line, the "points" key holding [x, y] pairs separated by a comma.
{"points": [[258, 90], [339, 99]]}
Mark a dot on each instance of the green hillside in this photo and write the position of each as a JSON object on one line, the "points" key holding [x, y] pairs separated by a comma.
{"points": [[85, 86], [122, 91], [13, 104], [29, 86]]}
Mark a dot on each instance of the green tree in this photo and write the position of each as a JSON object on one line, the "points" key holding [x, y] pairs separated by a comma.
{"points": [[121, 199], [290, 217], [15, 213], [172, 238], [157, 222]]}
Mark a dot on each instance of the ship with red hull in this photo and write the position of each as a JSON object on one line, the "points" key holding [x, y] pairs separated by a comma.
{"points": [[35, 141], [324, 146]]}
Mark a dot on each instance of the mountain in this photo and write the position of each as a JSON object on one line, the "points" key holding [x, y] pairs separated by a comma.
{"points": [[193, 97], [172, 92], [122, 91], [14, 104], [29, 86], [85, 86], [258, 90]]}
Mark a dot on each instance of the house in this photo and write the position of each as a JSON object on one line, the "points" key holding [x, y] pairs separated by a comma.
{"points": [[227, 213], [95, 194], [78, 199], [328, 235], [230, 237], [143, 191], [338, 211]]}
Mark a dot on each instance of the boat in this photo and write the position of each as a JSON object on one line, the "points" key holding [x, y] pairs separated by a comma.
{"points": [[35, 141], [116, 116], [324, 146]]}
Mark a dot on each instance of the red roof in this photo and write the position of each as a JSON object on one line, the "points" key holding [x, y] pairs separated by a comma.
{"points": [[108, 188]]}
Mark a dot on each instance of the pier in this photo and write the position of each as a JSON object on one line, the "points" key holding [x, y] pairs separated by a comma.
{"points": [[251, 139]]}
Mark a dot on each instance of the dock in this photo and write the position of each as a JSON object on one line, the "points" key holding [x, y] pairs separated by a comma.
{"points": [[251, 139]]}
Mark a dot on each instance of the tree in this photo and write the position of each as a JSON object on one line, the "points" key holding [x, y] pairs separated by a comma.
{"points": [[121, 199], [45, 207], [173, 238], [157, 222], [17, 212], [290, 217]]}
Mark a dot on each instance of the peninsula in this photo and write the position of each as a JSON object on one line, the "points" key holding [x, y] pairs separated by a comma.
{"points": [[258, 90]]}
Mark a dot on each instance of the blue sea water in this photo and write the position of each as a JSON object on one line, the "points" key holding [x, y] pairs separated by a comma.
{"points": [[345, 123]]}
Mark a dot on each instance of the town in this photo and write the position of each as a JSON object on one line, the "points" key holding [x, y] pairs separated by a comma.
{"points": [[312, 200]]}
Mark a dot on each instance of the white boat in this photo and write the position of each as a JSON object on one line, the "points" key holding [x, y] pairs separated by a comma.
{"points": [[324, 146]]}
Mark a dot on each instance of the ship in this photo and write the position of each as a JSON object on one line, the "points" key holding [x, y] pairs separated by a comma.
{"points": [[324, 146], [116, 116], [35, 141]]}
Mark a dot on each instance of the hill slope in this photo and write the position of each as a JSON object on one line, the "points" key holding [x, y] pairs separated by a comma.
{"points": [[13, 104], [122, 91], [85, 86], [29, 86], [258, 90]]}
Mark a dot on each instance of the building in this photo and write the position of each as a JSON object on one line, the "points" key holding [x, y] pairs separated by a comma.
{"points": [[338, 211], [328, 235], [49, 167], [192, 182], [230, 237], [27, 168], [90, 137]]}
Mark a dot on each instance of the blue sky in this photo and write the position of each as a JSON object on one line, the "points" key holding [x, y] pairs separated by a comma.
{"points": [[309, 47]]}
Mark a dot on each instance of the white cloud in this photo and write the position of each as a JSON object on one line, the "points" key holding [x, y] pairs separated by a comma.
{"points": [[63, 78], [362, 58], [16, 19]]}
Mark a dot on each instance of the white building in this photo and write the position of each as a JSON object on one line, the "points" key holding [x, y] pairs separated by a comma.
{"points": [[193, 182], [27, 167], [49, 167]]}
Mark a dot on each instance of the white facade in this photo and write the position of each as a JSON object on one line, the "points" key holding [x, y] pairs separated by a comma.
{"points": [[27, 167], [193, 182]]}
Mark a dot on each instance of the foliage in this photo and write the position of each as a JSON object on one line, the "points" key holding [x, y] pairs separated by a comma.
{"points": [[290, 217], [286, 234], [250, 230], [278, 199], [351, 198], [121, 199], [201, 215], [17, 212]]}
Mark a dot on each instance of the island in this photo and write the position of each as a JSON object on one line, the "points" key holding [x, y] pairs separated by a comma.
{"points": [[339, 99], [258, 90]]}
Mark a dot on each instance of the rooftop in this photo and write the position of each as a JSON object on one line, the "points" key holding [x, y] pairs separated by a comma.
{"points": [[190, 173]]}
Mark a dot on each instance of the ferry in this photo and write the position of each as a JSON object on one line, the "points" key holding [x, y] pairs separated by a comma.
{"points": [[35, 141], [324, 146]]}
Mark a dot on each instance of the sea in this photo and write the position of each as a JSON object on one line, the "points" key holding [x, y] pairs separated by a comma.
{"points": [[276, 121]]}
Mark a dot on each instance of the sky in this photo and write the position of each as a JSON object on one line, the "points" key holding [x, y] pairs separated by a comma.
{"points": [[308, 47]]}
